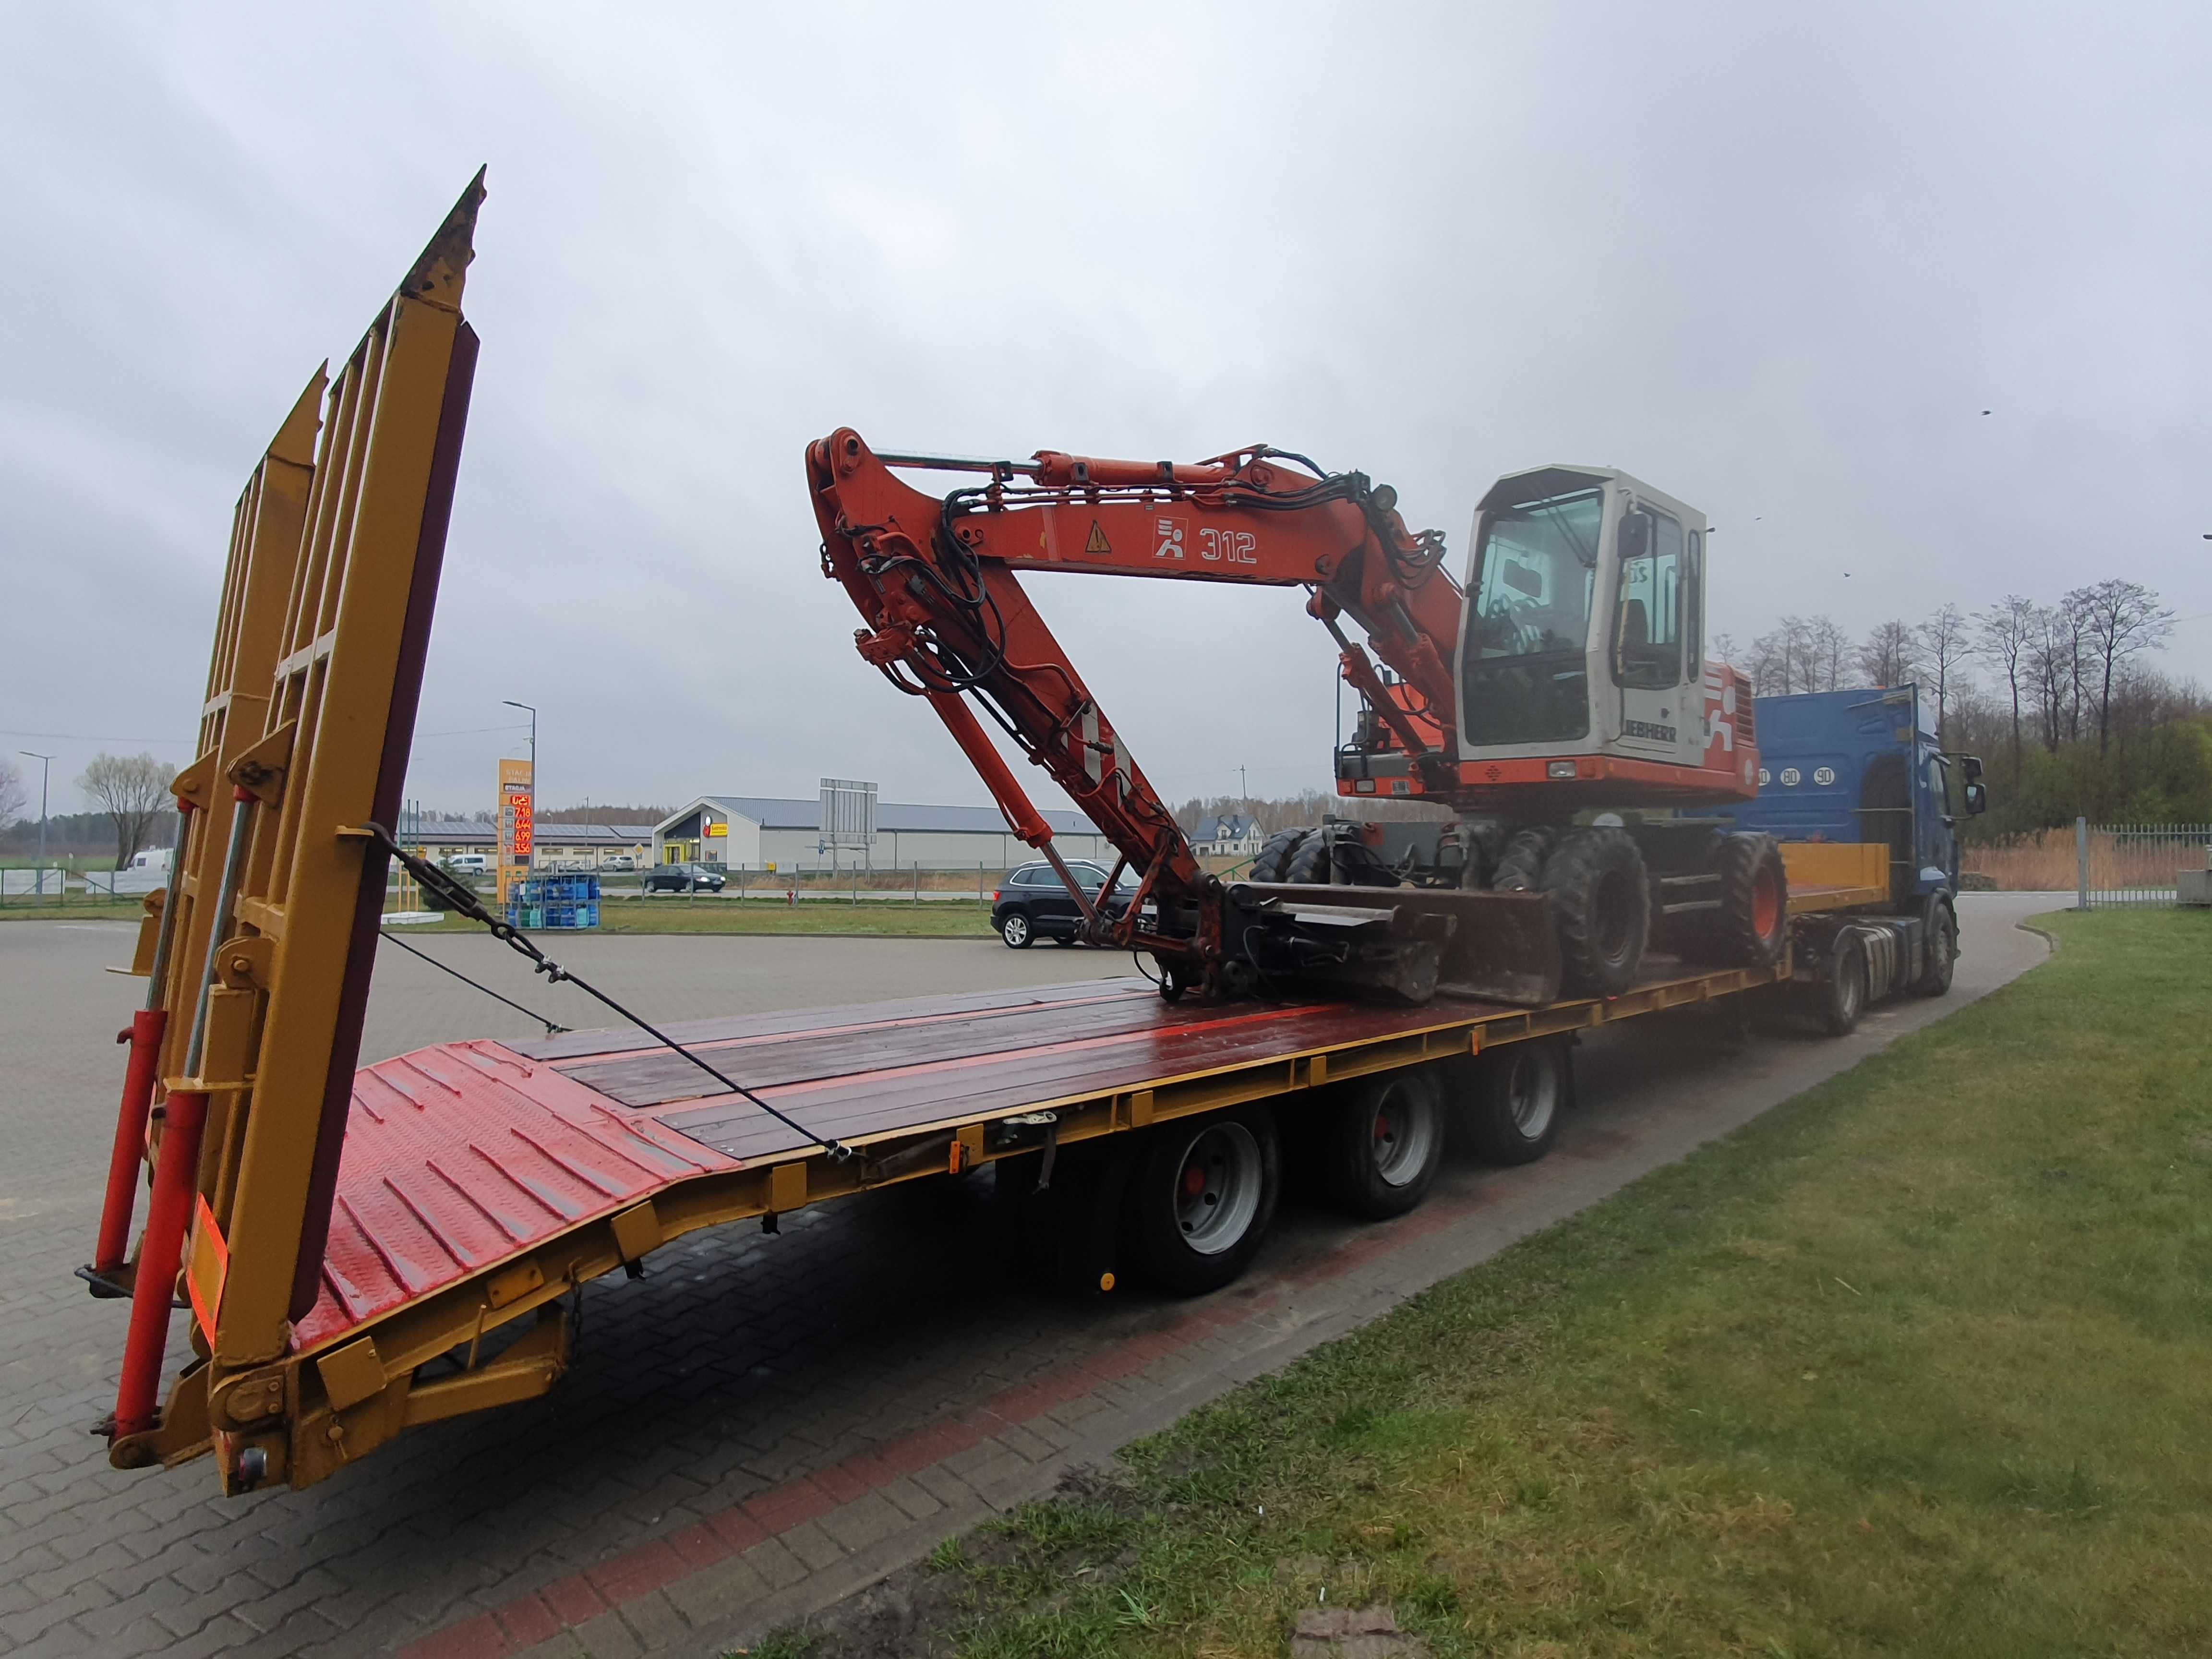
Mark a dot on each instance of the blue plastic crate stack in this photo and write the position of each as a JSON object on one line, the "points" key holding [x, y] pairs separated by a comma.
{"points": [[546, 901]]}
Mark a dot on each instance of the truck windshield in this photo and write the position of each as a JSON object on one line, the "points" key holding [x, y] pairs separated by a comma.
{"points": [[1528, 626]]}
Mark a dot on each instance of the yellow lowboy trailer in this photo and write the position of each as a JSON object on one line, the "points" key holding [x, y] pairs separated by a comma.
{"points": [[334, 1229]]}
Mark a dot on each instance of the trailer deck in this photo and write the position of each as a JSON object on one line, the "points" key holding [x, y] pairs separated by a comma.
{"points": [[462, 1160]]}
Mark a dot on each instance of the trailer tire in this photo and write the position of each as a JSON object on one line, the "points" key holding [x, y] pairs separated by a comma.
{"points": [[1521, 865], [1200, 1199], [1841, 992], [1602, 904], [1939, 948], [1752, 927], [1516, 1094], [1383, 1144], [1275, 853]]}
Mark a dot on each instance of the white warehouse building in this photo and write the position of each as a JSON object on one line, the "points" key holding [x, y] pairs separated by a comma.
{"points": [[756, 832]]}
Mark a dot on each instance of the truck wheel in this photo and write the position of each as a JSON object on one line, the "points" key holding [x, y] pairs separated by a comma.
{"points": [[1521, 865], [1520, 1092], [1753, 924], [1602, 903], [1276, 853], [1940, 947], [1201, 1199], [1384, 1143], [1842, 993], [1016, 931]]}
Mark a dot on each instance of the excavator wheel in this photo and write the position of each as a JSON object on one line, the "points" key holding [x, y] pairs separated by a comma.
{"points": [[1753, 924], [1275, 853], [1601, 905], [1521, 865], [1310, 864]]}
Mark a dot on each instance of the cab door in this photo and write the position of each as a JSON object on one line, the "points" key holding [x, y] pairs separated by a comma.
{"points": [[1656, 611]]}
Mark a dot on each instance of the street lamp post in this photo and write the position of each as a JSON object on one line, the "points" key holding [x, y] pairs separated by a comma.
{"points": [[46, 765], [511, 703]]}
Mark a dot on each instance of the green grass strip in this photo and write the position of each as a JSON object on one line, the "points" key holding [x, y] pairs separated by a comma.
{"points": [[1918, 1362]]}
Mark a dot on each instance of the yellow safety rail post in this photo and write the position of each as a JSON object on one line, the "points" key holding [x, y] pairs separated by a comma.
{"points": [[325, 618]]}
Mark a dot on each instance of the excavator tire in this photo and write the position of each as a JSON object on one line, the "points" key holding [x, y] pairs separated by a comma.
{"points": [[1753, 924], [1521, 865], [1275, 853], [1601, 905], [1310, 864]]}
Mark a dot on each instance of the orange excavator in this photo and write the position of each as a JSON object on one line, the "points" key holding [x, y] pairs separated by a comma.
{"points": [[1556, 700]]}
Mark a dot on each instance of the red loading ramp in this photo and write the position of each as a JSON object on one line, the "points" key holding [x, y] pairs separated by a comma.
{"points": [[460, 1154]]}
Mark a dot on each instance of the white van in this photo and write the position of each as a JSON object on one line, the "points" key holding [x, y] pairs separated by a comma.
{"points": [[467, 864]]}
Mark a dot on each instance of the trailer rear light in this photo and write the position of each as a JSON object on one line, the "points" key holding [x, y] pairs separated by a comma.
{"points": [[1363, 786], [1559, 769]]}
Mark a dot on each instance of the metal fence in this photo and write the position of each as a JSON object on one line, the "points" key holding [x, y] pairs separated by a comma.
{"points": [[2135, 864]]}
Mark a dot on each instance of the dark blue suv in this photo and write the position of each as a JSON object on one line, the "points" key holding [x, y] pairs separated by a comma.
{"points": [[1035, 903]]}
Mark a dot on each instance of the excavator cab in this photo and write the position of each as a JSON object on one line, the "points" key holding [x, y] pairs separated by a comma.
{"points": [[1584, 628]]}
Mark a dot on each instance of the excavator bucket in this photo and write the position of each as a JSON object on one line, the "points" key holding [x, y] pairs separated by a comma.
{"points": [[1409, 943]]}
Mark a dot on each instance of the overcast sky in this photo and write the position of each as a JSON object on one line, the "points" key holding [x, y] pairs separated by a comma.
{"points": [[1775, 263]]}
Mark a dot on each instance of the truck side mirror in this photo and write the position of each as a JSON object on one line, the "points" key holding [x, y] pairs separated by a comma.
{"points": [[1977, 798], [1635, 535]]}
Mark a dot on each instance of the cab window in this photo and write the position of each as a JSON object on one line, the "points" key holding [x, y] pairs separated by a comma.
{"points": [[1648, 613]]}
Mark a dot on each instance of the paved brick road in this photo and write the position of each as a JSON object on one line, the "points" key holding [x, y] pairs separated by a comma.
{"points": [[763, 1423]]}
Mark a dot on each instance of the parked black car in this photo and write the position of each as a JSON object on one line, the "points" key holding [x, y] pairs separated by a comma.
{"points": [[684, 879], [1035, 903]]}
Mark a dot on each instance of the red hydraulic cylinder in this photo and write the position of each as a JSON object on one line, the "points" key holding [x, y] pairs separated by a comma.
{"points": [[160, 1253], [148, 1027], [129, 1156], [1026, 822]]}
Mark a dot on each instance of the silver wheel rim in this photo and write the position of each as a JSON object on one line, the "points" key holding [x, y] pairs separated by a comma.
{"points": [[1016, 928], [1402, 1132], [1532, 1095], [1217, 1190]]}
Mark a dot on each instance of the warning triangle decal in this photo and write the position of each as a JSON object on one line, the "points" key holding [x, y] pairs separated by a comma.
{"points": [[1097, 545]]}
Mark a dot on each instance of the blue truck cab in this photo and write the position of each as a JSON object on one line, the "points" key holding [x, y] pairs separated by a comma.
{"points": [[1862, 766]]}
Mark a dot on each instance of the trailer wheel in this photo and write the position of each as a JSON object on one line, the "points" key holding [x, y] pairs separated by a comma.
{"points": [[1276, 853], [1520, 1092], [1384, 1144], [1015, 930], [1310, 864], [1602, 903], [1201, 1199], [1940, 948], [1841, 994]]}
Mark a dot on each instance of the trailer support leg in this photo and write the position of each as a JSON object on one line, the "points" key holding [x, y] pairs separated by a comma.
{"points": [[128, 1158], [169, 1211]]}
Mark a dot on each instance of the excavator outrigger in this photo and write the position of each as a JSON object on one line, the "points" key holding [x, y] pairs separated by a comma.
{"points": [[1564, 714]]}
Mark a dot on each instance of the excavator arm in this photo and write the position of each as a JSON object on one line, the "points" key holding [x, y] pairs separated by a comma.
{"points": [[934, 578]]}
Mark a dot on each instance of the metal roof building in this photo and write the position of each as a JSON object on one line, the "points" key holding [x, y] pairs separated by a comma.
{"points": [[757, 832]]}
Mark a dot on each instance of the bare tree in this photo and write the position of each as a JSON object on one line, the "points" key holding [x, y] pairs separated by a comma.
{"points": [[2119, 620], [1889, 656], [132, 789], [2005, 632], [1827, 648], [15, 793], [2050, 667], [1944, 643]]}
